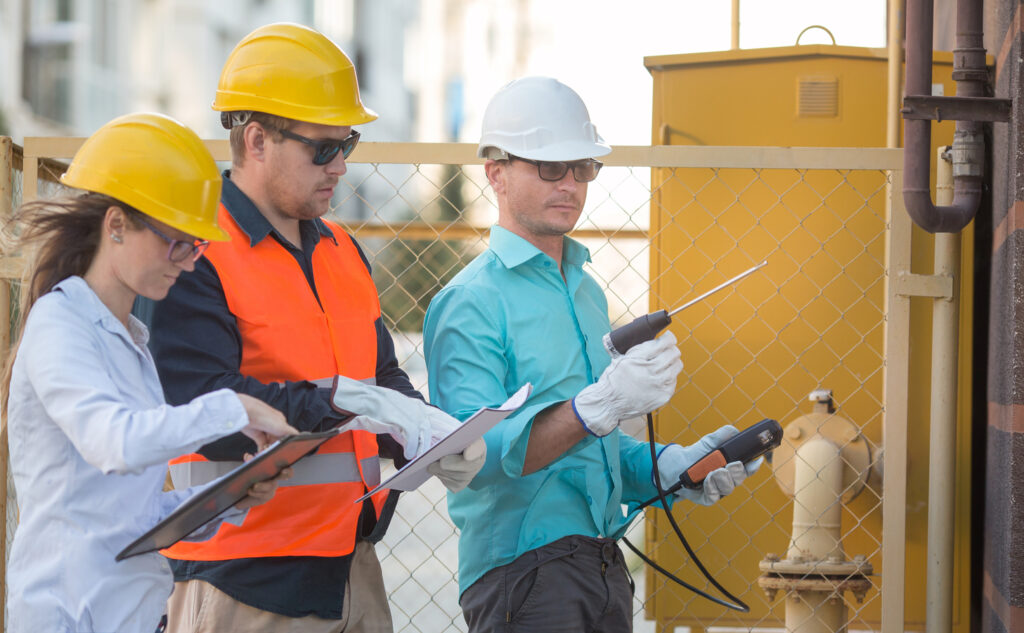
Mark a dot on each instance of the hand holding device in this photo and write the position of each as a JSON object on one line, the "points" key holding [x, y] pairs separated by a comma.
{"points": [[721, 460], [638, 382]]}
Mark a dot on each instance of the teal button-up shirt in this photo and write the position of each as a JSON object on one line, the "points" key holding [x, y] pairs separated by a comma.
{"points": [[507, 319]]}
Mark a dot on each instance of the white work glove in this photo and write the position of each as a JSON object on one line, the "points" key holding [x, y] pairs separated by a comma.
{"points": [[456, 471], [676, 459], [413, 423], [640, 381]]}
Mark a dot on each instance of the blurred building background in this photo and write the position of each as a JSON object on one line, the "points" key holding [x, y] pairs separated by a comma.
{"points": [[67, 67], [427, 66]]}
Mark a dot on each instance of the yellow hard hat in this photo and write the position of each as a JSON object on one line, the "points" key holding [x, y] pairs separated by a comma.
{"points": [[292, 71], [156, 165]]}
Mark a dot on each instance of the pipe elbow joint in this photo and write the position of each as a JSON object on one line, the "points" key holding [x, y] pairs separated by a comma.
{"points": [[951, 219]]}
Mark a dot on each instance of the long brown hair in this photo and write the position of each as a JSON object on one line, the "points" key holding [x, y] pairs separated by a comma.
{"points": [[58, 238]]}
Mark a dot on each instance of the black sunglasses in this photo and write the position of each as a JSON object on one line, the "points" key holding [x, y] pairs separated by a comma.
{"points": [[325, 150], [553, 171], [177, 250]]}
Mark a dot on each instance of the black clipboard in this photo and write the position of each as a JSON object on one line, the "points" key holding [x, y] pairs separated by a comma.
{"points": [[229, 490]]}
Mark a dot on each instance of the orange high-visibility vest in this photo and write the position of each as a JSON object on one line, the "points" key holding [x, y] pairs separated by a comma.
{"points": [[287, 336]]}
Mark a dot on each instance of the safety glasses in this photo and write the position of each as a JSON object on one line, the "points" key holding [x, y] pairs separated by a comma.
{"points": [[177, 250], [553, 171], [325, 150]]}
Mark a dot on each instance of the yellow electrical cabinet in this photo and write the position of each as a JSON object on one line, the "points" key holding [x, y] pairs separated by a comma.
{"points": [[813, 318]]}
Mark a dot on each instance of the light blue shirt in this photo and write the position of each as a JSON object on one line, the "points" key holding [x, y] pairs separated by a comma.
{"points": [[90, 437], [507, 319]]}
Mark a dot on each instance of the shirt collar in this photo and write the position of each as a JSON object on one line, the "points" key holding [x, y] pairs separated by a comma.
{"points": [[82, 296], [249, 218], [514, 250]]}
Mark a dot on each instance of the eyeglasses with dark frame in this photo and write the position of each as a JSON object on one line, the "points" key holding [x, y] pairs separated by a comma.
{"points": [[552, 171], [177, 250], [324, 150]]}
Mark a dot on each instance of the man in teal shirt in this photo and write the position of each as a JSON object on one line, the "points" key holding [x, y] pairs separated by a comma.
{"points": [[539, 522]]}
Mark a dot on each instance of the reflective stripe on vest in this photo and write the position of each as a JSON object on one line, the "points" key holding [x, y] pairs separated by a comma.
{"points": [[289, 335], [310, 470]]}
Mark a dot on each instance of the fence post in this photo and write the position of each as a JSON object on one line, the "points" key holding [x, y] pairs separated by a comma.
{"points": [[6, 208], [897, 370]]}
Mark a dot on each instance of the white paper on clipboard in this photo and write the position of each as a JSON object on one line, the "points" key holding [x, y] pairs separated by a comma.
{"points": [[414, 474]]}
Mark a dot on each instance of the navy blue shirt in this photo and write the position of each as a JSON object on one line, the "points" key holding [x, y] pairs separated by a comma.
{"points": [[197, 346]]}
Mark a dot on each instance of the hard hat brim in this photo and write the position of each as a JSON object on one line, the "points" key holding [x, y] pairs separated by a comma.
{"points": [[296, 112], [568, 151]]}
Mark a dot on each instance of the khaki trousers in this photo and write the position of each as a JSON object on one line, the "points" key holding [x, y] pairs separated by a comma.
{"points": [[198, 607]]}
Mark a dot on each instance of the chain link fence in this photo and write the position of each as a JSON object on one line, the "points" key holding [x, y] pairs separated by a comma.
{"points": [[662, 229]]}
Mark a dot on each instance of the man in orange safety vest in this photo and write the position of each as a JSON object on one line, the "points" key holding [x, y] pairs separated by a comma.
{"points": [[286, 311]]}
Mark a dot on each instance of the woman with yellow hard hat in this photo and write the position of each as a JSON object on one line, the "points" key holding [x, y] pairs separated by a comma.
{"points": [[89, 431]]}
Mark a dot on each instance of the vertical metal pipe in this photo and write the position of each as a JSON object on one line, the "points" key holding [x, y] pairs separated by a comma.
{"points": [[942, 436], [817, 509], [735, 24], [971, 77], [817, 512], [894, 69], [815, 612]]}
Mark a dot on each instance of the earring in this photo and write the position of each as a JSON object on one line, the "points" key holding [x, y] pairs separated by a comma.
{"points": [[117, 238]]}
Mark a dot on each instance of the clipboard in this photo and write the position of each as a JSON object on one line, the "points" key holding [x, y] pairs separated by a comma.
{"points": [[225, 492], [414, 474]]}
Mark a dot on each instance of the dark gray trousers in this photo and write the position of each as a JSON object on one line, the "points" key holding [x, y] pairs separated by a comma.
{"points": [[577, 583]]}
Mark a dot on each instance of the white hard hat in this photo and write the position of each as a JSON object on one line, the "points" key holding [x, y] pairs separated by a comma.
{"points": [[539, 118]]}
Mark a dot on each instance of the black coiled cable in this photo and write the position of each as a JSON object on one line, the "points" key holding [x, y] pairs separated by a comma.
{"points": [[736, 604]]}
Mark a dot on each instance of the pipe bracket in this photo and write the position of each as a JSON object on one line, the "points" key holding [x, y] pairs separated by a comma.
{"points": [[934, 286], [933, 108]]}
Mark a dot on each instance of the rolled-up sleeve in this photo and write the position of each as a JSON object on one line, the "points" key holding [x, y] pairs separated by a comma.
{"points": [[637, 471], [464, 346]]}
